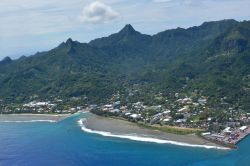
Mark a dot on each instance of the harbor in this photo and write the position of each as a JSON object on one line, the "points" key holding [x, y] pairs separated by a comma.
{"points": [[229, 136]]}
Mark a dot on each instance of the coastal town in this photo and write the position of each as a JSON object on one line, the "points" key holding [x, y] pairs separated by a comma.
{"points": [[179, 114], [183, 115], [55, 106]]}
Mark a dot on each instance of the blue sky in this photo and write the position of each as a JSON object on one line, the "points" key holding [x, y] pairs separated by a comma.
{"points": [[29, 26]]}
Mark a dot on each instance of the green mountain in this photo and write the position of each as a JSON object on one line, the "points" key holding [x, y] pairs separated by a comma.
{"points": [[212, 58]]}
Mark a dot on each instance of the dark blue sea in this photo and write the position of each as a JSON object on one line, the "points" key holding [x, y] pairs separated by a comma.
{"points": [[65, 144]]}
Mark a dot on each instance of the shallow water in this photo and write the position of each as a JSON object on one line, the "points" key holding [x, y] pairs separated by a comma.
{"points": [[64, 143]]}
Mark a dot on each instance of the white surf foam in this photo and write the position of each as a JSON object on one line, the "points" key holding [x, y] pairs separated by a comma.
{"points": [[28, 121], [144, 139]]}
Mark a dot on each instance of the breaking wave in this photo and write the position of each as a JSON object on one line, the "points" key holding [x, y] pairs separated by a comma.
{"points": [[144, 139]]}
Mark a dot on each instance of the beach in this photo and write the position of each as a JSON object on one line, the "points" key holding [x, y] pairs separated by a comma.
{"points": [[32, 117], [123, 129]]}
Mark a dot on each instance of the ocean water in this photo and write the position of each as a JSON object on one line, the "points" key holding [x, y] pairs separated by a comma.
{"points": [[66, 144]]}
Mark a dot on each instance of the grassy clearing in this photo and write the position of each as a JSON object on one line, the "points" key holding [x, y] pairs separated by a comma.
{"points": [[172, 129]]}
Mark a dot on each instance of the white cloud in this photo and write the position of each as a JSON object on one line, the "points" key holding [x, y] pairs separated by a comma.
{"points": [[37, 17], [98, 12], [28, 26]]}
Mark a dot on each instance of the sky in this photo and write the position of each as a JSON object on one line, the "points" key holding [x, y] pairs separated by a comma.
{"points": [[30, 26]]}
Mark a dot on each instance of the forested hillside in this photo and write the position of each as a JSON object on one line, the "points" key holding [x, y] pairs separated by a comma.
{"points": [[212, 59]]}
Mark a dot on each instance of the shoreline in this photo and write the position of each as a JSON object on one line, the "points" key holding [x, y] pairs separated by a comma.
{"points": [[123, 129], [30, 114], [25, 118]]}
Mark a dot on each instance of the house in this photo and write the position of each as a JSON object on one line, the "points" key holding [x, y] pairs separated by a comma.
{"points": [[127, 114], [108, 106], [166, 120], [115, 111], [138, 106], [166, 112], [207, 133], [181, 121], [184, 109], [202, 101], [186, 100], [135, 116], [209, 119], [243, 128], [227, 130]]}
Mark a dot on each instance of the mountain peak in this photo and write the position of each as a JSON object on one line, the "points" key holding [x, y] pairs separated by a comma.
{"points": [[126, 36], [6, 60], [128, 29], [69, 41], [22, 57]]}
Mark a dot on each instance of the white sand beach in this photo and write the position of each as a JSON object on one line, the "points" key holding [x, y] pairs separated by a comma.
{"points": [[124, 129]]}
